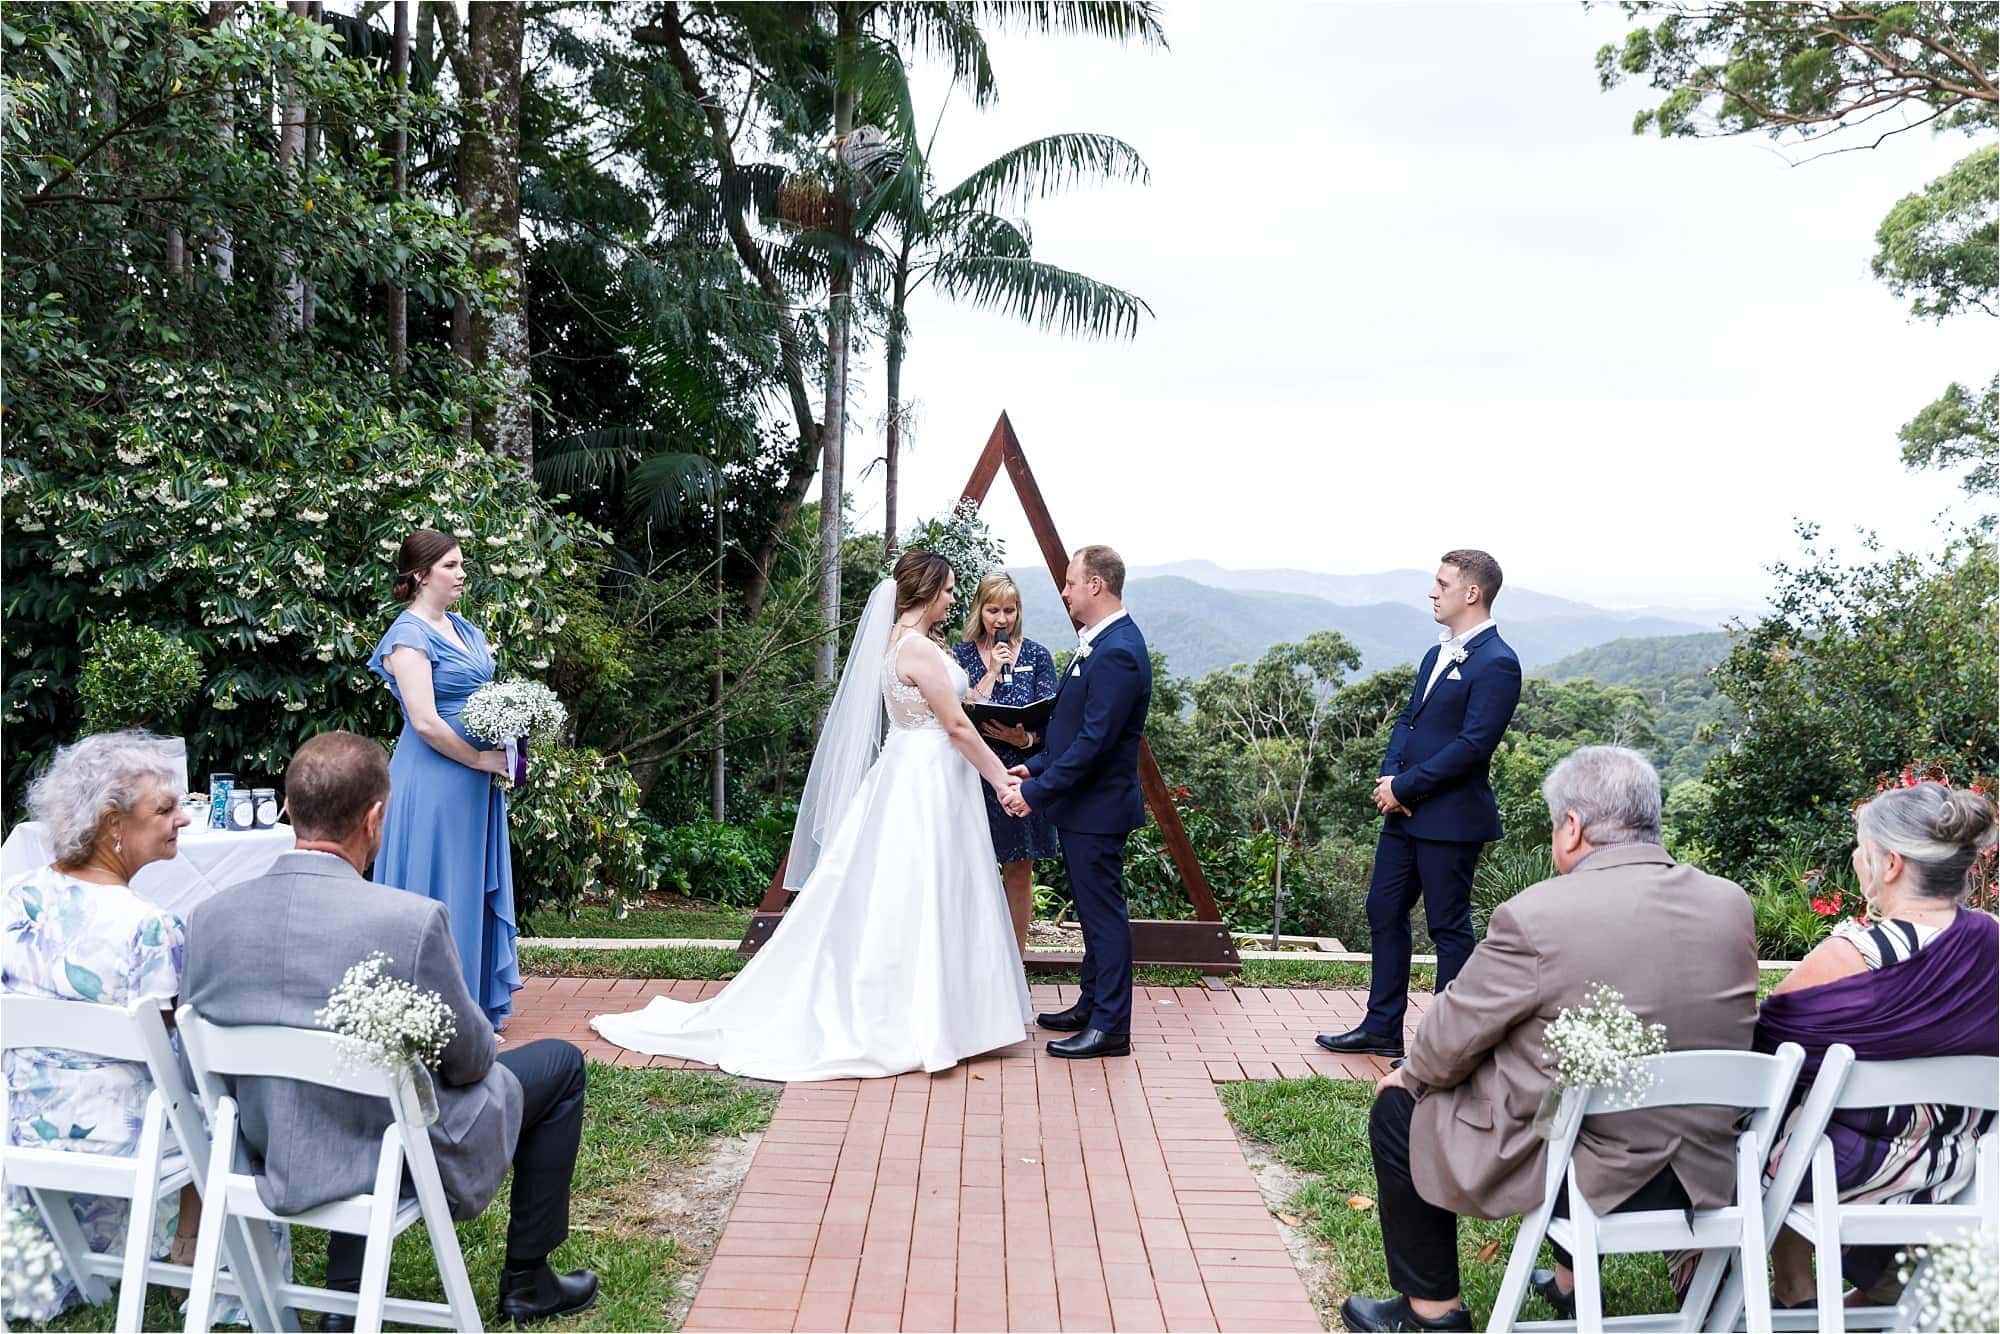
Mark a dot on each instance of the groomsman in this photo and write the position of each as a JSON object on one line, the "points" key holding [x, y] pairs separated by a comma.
{"points": [[1435, 797]]}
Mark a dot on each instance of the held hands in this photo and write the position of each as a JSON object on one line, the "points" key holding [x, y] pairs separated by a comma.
{"points": [[1385, 797], [1011, 800]]}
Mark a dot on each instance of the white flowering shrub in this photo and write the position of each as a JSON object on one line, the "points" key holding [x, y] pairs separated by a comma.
{"points": [[259, 528], [577, 831], [1958, 1289], [384, 1020], [1602, 1044], [28, 1262]]}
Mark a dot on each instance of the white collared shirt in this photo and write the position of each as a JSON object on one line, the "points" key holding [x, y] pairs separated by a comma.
{"points": [[1085, 637], [1444, 662]]}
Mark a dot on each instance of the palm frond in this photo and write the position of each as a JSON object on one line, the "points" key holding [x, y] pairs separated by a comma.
{"points": [[1047, 166], [873, 70], [1042, 294], [1119, 20], [658, 479], [949, 30]]}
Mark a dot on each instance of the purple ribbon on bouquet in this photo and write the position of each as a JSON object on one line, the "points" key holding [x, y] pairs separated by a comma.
{"points": [[517, 761]]}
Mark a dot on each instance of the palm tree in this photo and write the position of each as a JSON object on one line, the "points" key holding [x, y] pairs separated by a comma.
{"points": [[959, 240]]}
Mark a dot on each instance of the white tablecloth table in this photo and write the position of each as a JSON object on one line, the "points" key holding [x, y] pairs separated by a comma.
{"points": [[209, 860]]}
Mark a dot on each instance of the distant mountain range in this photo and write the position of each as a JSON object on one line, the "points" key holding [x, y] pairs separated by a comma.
{"points": [[1203, 616]]}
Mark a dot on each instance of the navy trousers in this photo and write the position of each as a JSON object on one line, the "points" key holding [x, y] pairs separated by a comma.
{"points": [[1405, 869], [1096, 865]]}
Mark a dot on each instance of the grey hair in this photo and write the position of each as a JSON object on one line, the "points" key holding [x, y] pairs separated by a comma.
{"points": [[1937, 830], [90, 779], [1613, 791]]}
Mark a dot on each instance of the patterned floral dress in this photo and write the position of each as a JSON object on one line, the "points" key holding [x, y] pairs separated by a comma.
{"points": [[73, 940], [1034, 679]]}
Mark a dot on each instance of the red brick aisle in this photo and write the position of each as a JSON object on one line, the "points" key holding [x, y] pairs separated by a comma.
{"points": [[1014, 1192]]}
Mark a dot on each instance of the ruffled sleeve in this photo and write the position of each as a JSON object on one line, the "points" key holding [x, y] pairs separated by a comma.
{"points": [[1045, 671], [404, 632]]}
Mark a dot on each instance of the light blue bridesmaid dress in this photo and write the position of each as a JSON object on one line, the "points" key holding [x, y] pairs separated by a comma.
{"points": [[445, 834]]}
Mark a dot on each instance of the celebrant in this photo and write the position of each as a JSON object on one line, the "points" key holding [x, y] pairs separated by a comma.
{"points": [[445, 832]]}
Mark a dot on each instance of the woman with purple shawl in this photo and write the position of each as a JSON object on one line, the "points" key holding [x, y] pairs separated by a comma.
{"points": [[1917, 980]]}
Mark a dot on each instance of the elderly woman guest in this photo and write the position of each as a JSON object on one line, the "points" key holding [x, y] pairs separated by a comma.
{"points": [[1918, 979], [74, 930], [445, 833], [996, 612]]}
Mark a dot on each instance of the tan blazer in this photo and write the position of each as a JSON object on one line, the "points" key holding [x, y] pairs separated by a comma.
{"points": [[1677, 942]]}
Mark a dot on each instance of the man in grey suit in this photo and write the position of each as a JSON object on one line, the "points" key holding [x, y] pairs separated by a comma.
{"points": [[1452, 1131], [268, 951]]}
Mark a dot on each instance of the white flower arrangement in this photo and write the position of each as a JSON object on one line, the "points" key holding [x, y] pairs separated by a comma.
{"points": [[517, 707], [1957, 1287], [386, 1021], [28, 1262], [1602, 1044]]}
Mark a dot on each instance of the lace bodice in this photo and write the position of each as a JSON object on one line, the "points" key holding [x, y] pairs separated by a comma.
{"points": [[905, 702]]}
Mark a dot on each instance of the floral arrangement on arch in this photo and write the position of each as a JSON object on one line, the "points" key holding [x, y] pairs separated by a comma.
{"points": [[962, 538]]}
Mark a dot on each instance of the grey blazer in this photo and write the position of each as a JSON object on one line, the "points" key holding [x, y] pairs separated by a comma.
{"points": [[268, 951]]}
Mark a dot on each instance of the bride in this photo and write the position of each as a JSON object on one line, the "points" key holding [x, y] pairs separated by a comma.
{"points": [[898, 953]]}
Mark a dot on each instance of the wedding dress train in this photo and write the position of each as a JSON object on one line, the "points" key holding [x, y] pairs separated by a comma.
{"points": [[896, 955]]}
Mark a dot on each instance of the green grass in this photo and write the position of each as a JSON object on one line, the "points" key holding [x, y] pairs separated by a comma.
{"points": [[702, 962], [1320, 1127], [641, 1126], [641, 924]]}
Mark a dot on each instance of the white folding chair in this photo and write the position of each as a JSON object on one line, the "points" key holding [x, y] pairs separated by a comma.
{"points": [[1844, 1084], [1754, 1082], [314, 1057], [162, 1165]]}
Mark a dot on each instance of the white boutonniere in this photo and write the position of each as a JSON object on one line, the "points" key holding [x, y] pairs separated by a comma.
{"points": [[1082, 652], [1454, 652]]}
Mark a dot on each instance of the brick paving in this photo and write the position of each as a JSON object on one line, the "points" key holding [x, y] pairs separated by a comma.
{"points": [[1015, 1191]]}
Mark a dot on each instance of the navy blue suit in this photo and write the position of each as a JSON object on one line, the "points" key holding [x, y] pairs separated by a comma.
{"points": [[1086, 780], [1438, 758]]}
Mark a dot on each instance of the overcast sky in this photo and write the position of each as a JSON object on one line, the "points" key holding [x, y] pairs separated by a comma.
{"points": [[1417, 285]]}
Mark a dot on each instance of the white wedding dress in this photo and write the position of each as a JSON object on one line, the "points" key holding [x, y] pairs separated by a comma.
{"points": [[896, 955]]}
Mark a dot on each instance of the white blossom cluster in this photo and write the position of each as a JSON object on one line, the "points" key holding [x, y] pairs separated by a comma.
{"points": [[517, 707], [387, 1021], [1603, 1044], [1959, 1288], [28, 1260]]}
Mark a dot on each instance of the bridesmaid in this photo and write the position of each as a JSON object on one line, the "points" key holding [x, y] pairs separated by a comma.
{"points": [[996, 610], [445, 833]]}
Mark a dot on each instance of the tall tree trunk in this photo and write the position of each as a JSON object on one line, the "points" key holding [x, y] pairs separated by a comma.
{"points": [[216, 239], [718, 760], [287, 293], [489, 186], [308, 297], [892, 448], [833, 422], [399, 158]]}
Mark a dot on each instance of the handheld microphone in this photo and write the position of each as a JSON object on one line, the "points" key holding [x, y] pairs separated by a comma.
{"points": [[1006, 668]]}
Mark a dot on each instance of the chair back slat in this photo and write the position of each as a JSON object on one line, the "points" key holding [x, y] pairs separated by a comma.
{"points": [[271, 1052], [1709, 1079], [1950, 1081], [86, 1027]]}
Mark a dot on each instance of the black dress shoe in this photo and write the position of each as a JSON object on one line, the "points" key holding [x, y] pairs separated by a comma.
{"points": [[1092, 1042], [333, 1322], [1073, 1020], [1360, 1042], [1360, 1313], [529, 1296], [1543, 1281]]}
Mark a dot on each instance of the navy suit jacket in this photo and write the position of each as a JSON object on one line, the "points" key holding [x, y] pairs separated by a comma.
{"points": [[1086, 778], [1442, 747]]}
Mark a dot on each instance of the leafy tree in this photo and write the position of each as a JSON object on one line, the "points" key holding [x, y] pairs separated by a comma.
{"points": [[1860, 670], [1959, 431], [1938, 246]]}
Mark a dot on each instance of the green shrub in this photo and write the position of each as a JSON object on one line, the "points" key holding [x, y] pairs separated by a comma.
{"points": [[577, 830], [723, 863], [136, 676], [1505, 869]]}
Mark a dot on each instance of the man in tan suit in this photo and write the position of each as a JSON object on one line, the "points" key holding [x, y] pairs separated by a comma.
{"points": [[1451, 1130]]}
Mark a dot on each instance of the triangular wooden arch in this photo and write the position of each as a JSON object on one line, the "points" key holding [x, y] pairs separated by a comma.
{"points": [[1202, 943]]}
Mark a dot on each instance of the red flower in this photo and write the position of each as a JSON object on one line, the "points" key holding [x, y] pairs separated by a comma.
{"points": [[1909, 776], [1827, 905]]}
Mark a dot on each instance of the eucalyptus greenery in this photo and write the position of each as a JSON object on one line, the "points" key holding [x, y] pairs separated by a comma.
{"points": [[962, 538]]}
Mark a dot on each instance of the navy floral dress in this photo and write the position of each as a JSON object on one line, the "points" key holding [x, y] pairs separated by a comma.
{"points": [[1034, 679]]}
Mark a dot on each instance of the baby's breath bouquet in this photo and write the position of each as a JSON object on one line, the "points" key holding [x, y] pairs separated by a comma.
{"points": [[512, 713], [1957, 1286], [1601, 1044], [28, 1261], [391, 1023]]}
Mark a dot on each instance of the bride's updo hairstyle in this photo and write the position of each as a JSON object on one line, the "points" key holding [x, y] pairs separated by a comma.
{"points": [[920, 576], [414, 559], [1937, 830]]}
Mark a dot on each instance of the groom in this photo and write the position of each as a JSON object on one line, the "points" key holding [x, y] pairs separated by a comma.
{"points": [[1086, 778], [1437, 805]]}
